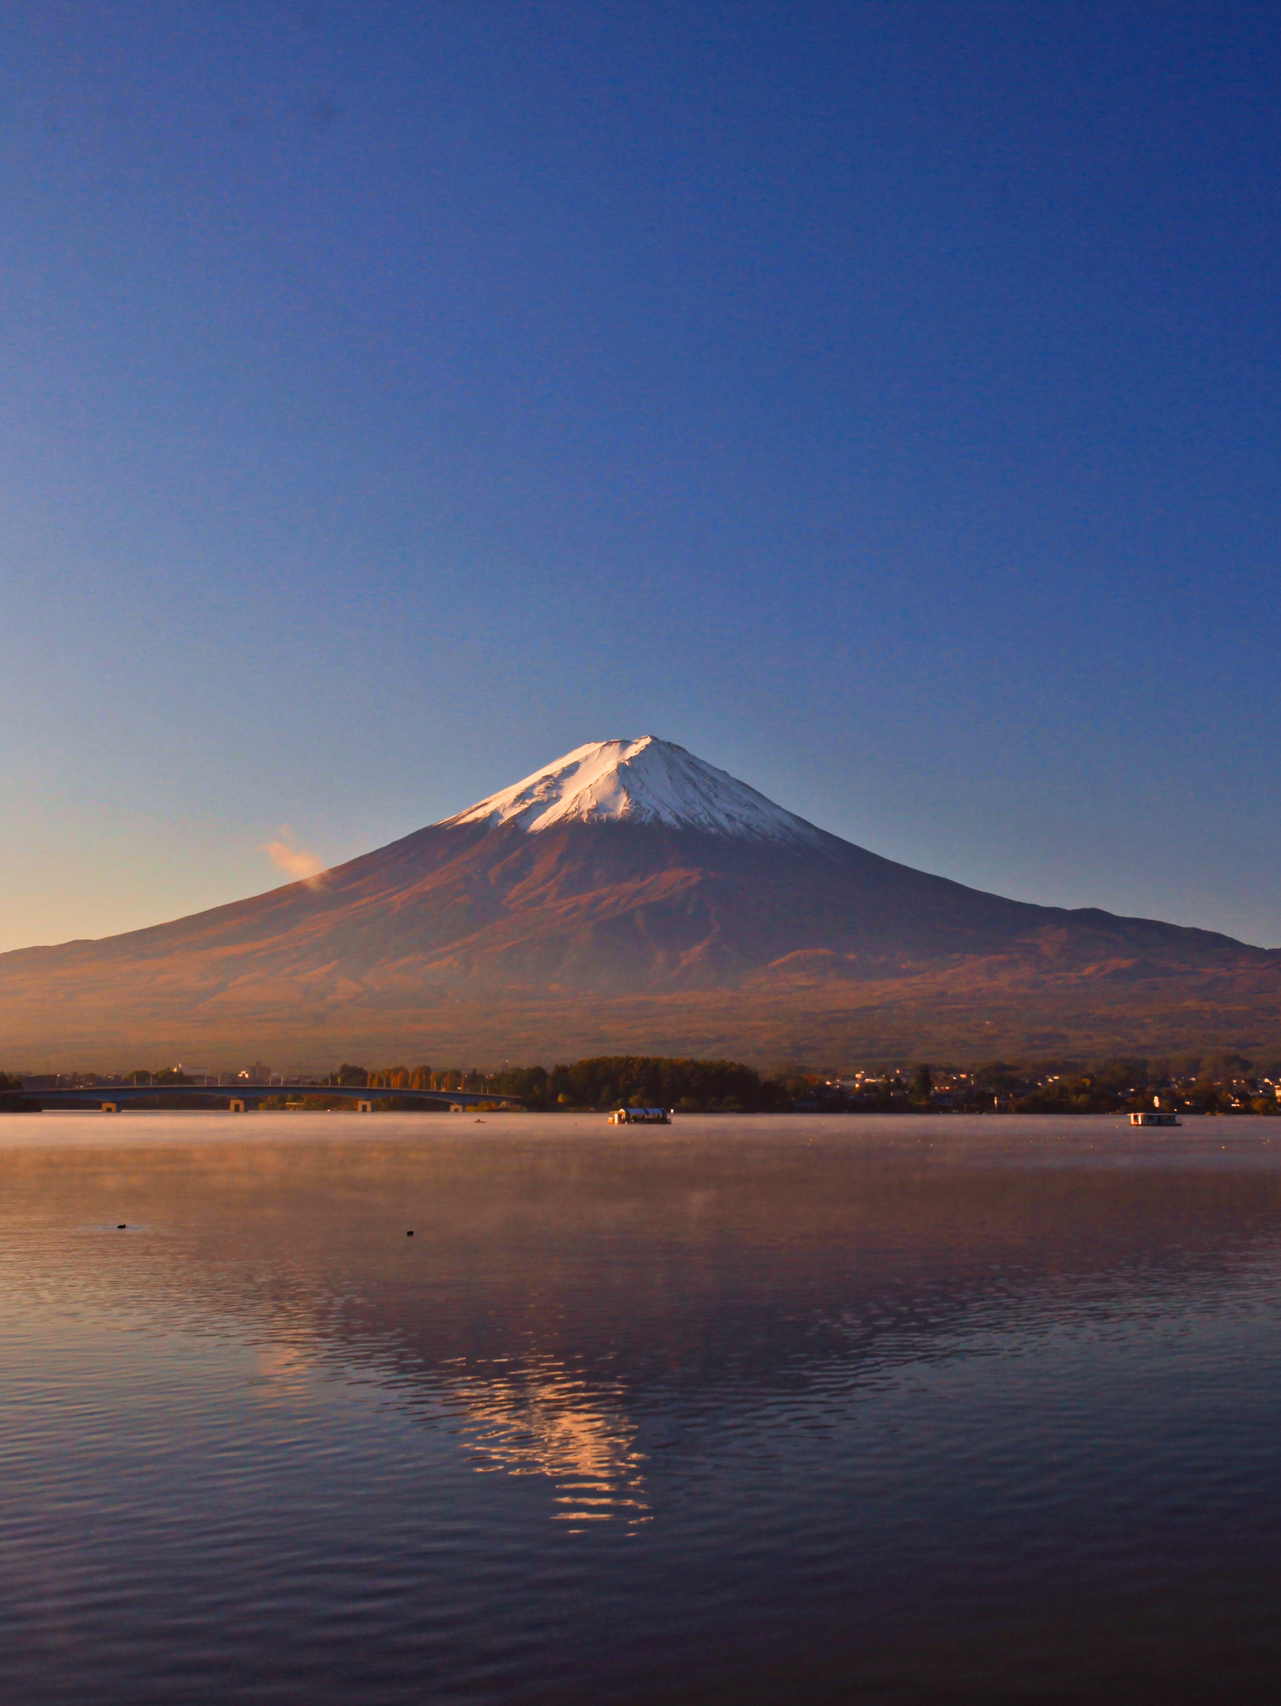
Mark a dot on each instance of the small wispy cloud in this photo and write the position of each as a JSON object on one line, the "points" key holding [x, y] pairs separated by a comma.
{"points": [[295, 860]]}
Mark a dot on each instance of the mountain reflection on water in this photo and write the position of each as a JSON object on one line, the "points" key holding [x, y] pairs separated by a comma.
{"points": [[919, 1408], [539, 1420]]}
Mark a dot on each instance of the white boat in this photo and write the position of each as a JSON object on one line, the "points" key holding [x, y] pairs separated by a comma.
{"points": [[640, 1116]]}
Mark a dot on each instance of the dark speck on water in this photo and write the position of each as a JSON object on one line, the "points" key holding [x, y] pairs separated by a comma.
{"points": [[768, 1410]]}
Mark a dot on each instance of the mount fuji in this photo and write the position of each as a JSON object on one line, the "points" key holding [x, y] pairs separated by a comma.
{"points": [[631, 897]]}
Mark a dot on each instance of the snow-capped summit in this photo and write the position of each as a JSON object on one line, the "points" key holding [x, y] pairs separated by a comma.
{"points": [[639, 781]]}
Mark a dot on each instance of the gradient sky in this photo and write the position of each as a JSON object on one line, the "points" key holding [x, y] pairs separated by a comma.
{"points": [[880, 400]]}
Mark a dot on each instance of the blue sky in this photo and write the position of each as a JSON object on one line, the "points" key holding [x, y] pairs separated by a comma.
{"points": [[879, 400]]}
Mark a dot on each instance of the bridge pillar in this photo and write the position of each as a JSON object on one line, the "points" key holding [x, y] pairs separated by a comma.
{"points": [[111, 1107], [235, 1106], [364, 1107]]}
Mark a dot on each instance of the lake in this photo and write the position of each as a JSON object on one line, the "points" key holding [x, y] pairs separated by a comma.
{"points": [[751, 1409]]}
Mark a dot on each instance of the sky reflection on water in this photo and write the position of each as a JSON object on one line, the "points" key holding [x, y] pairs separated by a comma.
{"points": [[886, 1410]]}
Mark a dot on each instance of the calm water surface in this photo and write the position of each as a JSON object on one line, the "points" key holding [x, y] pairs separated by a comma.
{"points": [[772, 1410]]}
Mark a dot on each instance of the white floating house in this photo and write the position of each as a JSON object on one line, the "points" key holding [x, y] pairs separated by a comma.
{"points": [[1158, 1115], [640, 1116]]}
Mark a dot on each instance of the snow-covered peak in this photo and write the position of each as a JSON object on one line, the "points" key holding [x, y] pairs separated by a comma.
{"points": [[638, 781]]}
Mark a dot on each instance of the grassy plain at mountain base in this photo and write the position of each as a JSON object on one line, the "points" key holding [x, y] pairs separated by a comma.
{"points": [[967, 1013]]}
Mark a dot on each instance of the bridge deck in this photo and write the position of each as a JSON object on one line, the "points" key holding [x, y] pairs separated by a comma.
{"points": [[94, 1096]]}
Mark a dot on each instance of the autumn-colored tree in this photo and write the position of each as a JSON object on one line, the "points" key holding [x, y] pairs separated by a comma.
{"points": [[922, 1086], [420, 1078]]}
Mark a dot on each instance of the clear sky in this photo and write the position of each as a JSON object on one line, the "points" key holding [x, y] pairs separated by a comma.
{"points": [[880, 400]]}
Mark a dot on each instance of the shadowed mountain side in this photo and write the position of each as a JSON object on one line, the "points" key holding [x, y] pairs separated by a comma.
{"points": [[489, 941]]}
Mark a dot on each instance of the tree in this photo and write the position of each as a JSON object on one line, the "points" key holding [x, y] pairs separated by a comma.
{"points": [[998, 1076]]}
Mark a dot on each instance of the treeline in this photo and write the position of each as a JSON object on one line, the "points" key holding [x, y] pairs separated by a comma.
{"points": [[1219, 1083], [1222, 1082], [1211, 1083], [612, 1080]]}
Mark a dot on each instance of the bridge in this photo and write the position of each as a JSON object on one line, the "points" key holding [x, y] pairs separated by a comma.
{"points": [[239, 1097]]}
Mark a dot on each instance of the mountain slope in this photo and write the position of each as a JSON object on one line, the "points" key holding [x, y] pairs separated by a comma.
{"points": [[631, 896]]}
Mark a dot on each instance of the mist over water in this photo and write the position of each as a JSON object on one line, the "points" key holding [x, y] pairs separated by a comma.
{"points": [[744, 1410]]}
